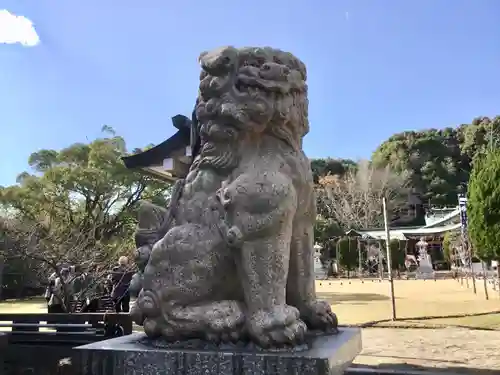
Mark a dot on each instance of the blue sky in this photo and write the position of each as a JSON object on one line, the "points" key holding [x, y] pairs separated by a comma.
{"points": [[374, 67]]}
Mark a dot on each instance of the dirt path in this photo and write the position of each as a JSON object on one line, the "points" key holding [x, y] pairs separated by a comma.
{"points": [[440, 348]]}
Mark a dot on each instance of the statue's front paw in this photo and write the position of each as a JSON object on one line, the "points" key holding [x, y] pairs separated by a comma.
{"points": [[277, 327], [136, 314], [228, 325], [153, 327], [318, 315]]}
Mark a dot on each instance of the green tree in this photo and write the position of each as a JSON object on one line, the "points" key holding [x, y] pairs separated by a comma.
{"points": [[432, 159], [84, 185], [329, 166], [325, 229], [479, 137], [78, 204], [398, 254], [451, 240], [483, 206], [439, 161], [348, 253]]}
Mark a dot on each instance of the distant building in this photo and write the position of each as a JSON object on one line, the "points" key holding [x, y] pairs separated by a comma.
{"points": [[439, 216], [433, 231]]}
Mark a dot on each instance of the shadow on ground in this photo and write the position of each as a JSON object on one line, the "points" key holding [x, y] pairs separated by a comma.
{"points": [[406, 369], [360, 298]]}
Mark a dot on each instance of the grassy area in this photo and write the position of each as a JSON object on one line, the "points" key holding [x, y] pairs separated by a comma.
{"points": [[489, 321], [32, 305], [357, 302]]}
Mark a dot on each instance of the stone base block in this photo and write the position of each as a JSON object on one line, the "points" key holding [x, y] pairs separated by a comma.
{"points": [[137, 355], [3, 349]]}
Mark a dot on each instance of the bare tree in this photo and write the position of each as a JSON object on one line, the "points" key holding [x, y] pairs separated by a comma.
{"points": [[49, 249], [354, 199]]}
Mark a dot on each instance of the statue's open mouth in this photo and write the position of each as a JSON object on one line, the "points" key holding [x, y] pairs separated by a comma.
{"points": [[252, 82], [247, 85]]}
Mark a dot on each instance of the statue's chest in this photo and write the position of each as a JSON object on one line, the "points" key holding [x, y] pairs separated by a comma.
{"points": [[198, 203]]}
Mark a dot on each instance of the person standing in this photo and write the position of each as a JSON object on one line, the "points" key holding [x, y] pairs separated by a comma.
{"points": [[92, 294], [121, 276], [98, 295], [50, 287], [58, 298]]}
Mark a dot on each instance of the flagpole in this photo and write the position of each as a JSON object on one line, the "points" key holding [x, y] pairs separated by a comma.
{"points": [[462, 204], [389, 260]]}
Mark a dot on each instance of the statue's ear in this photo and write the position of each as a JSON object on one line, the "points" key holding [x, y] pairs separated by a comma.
{"points": [[151, 216]]}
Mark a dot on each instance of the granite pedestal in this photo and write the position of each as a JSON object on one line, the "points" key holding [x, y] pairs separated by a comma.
{"points": [[425, 271], [3, 349], [137, 355]]}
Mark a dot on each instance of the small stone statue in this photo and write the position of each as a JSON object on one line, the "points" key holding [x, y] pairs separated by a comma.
{"points": [[151, 220], [424, 269], [232, 258]]}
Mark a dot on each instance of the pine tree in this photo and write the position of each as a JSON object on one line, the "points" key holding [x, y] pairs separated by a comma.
{"points": [[483, 206]]}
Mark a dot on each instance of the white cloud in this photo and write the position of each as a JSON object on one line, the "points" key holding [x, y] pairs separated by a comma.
{"points": [[17, 29]]}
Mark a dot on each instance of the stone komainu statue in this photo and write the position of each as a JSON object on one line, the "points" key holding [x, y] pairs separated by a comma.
{"points": [[233, 258]]}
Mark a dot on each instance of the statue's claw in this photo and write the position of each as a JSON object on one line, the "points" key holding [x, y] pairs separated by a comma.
{"points": [[225, 335], [318, 315], [136, 314], [228, 325], [279, 327]]}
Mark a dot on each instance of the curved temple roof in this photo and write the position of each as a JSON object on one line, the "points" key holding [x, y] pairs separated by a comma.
{"points": [[169, 148], [163, 159]]}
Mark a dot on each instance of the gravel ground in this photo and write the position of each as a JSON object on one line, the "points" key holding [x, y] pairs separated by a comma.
{"points": [[431, 348]]}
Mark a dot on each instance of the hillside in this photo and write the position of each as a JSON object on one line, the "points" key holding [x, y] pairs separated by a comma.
{"points": [[437, 161]]}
